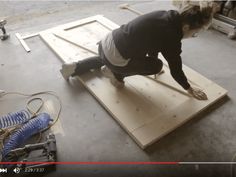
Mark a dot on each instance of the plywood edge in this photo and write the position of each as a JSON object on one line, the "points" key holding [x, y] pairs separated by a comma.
{"points": [[45, 39], [183, 108], [166, 133]]}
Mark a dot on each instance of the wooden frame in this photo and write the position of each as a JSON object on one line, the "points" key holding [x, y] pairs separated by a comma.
{"points": [[146, 109]]}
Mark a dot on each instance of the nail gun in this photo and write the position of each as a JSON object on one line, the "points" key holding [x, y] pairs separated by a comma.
{"points": [[39, 152]]}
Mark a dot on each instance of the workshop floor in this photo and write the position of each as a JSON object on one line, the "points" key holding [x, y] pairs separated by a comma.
{"points": [[88, 132]]}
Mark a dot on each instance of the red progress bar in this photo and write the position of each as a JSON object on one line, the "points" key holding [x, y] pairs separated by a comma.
{"points": [[93, 163]]}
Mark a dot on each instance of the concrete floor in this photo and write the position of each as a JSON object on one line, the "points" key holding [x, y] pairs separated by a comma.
{"points": [[90, 133]]}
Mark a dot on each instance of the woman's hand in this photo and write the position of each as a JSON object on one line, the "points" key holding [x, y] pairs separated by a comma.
{"points": [[197, 93]]}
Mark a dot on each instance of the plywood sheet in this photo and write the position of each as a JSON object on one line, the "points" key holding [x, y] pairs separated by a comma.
{"points": [[147, 109]]}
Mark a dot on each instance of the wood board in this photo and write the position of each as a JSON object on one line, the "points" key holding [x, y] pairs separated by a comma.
{"points": [[145, 108]]}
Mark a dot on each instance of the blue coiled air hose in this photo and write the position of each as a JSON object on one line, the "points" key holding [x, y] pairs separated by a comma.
{"points": [[15, 118], [32, 127]]}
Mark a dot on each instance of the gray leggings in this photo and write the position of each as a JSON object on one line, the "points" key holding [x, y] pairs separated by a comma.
{"points": [[136, 66]]}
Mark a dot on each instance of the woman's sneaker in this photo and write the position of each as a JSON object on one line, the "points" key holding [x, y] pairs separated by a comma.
{"points": [[67, 70], [114, 81]]}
